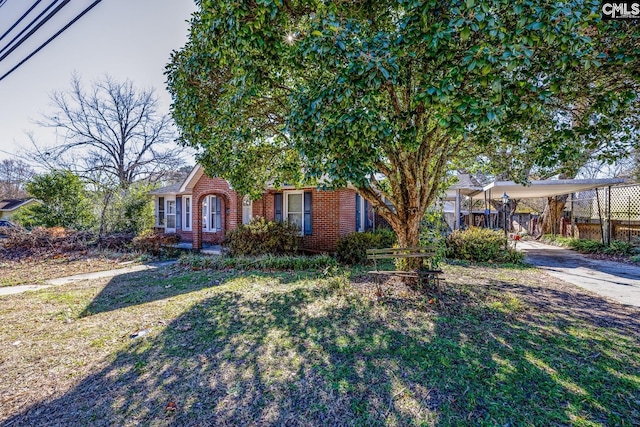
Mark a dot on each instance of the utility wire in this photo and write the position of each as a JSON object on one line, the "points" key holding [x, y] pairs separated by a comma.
{"points": [[2, 2], [70, 23], [19, 20], [34, 29]]}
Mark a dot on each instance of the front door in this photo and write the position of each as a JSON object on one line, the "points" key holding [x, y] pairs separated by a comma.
{"points": [[247, 210], [170, 225]]}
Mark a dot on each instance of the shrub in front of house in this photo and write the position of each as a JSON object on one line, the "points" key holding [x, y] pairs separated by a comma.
{"points": [[481, 245], [152, 242], [386, 237], [352, 248], [263, 237]]}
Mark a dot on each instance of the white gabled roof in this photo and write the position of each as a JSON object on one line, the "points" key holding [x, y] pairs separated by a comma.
{"points": [[191, 180]]}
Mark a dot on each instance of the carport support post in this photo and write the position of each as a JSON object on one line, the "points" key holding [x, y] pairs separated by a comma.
{"points": [[572, 217]]}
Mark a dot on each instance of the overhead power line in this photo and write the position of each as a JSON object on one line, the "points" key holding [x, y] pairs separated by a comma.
{"points": [[63, 29], [39, 24], [19, 20]]}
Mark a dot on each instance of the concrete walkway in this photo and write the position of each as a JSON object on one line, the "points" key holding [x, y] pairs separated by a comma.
{"points": [[10, 290], [614, 280]]}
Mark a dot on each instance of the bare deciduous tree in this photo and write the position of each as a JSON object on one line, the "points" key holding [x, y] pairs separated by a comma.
{"points": [[14, 174], [113, 131]]}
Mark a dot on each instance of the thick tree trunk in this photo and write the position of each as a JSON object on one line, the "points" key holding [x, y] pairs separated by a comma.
{"points": [[549, 221], [409, 237], [513, 206], [407, 228], [408, 233]]}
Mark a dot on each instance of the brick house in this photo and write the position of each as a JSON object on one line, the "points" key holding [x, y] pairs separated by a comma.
{"points": [[202, 209]]}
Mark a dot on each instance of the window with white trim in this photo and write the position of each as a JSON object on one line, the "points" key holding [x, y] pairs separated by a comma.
{"points": [[294, 212], [186, 213], [171, 215], [212, 213], [297, 210]]}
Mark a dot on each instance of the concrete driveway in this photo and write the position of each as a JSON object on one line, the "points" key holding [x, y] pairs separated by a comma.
{"points": [[614, 280]]}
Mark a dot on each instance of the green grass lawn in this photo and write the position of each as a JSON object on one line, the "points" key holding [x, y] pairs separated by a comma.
{"points": [[498, 347]]}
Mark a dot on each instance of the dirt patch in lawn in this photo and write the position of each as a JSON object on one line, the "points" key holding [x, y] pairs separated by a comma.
{"points": [[174, 346], [35, 270]]}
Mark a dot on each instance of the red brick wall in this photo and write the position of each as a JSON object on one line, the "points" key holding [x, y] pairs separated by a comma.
{"points": [[185, 236], [269, 208], [325, 221], [333, 214], [259, 208], [347, 211]]}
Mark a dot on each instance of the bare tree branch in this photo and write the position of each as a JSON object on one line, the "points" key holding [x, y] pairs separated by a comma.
{"points": [[113, 132]]}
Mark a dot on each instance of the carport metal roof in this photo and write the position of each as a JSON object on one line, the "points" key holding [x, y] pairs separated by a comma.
{"points": [[546, 188]]}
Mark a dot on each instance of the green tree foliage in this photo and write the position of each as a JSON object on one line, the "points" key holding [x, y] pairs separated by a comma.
{"points": [[64, 202], [129, 210], [341, 92]]}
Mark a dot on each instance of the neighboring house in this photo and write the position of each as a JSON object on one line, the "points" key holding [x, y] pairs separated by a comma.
{"points": [[9, 207], [202, 209]]}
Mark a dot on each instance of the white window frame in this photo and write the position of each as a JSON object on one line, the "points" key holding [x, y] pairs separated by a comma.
{"points": [[285, 208], [363, 216], [206, 214], [186, 222], [167, 200]]}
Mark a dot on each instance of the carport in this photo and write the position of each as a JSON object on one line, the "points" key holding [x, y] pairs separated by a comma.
{"points": [[497, 190]]}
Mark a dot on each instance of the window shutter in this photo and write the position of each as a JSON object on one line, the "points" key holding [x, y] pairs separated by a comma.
{"points": [[178, 213], [277, 203], [358, 225], [368, 223], [307, 213], [161, 211], [218, 215]]}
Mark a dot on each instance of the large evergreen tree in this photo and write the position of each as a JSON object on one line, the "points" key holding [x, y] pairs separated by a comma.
{"points": [[347, 92]]}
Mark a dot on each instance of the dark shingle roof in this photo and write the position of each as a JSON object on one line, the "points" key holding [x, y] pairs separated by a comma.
{"points": [[11, 204], [169, 189]]}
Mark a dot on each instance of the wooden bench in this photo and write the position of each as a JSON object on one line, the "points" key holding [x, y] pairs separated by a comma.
{"points": [[428, 271]]}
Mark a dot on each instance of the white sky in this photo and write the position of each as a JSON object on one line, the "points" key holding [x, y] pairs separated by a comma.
{"points": [[122, 38]]}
